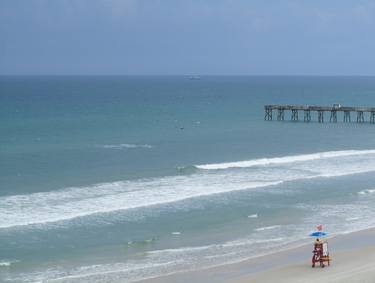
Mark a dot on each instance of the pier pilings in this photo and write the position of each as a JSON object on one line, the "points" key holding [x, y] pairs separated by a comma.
{"points": [[294, 110]]}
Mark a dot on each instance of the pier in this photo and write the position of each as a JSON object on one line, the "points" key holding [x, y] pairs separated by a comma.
{"points": [[296, 112]]}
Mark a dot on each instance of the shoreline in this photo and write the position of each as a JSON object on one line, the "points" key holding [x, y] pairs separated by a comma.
{"points": [[353, 257]]}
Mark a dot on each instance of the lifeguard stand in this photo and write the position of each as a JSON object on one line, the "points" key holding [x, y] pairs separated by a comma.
{"points": [[320, 253]]}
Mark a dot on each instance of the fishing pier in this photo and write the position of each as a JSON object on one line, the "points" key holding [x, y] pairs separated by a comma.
{"points": [[297, 110]]}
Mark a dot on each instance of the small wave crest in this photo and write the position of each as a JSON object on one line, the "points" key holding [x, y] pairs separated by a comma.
{"points": [[7, 263], [366, 192], [186, 169], [253, 215], [125, 146], [352, 218], [141, 242], [267, 228]]}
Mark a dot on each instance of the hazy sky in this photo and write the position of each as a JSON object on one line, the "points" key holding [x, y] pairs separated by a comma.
{"points": [[187, 37]]}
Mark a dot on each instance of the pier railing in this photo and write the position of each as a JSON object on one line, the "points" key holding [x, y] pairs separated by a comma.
{"points": [[296, 110]]}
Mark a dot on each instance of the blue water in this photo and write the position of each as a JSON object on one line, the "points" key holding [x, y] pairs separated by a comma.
{"points": [[117, 179]]}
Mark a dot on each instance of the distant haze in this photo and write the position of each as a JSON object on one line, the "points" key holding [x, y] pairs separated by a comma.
{"points": [[175, 37]]}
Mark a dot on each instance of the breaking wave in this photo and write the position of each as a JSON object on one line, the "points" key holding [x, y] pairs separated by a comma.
{"points": [[285, 159], [117, 197]]}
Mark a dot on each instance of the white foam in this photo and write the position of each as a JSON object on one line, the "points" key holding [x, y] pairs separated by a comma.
{"points": [[253, 215], [126, 145], [268, 228], [365, 192], [70, 203], [285, 159], [4, 263]]}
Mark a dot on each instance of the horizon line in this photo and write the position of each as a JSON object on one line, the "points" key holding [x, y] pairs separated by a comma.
{"points": [[183, 75]]}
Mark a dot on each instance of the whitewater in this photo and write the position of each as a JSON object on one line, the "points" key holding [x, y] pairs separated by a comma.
{"points": [[44, 208]]}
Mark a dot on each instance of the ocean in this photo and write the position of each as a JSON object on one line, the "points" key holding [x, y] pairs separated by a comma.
{"points": [[118, 179]]}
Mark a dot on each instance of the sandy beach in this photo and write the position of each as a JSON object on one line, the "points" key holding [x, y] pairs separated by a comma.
{"points": [[349, 266], [353, 260]]}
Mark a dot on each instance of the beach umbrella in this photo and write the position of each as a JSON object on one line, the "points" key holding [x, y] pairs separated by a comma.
{"points": [[318, 234]]}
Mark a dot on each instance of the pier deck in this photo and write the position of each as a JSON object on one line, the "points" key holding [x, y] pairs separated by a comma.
{"points": [[320, 110]]}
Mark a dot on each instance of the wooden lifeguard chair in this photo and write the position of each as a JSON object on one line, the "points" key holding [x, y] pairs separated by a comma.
{"points": [[320, 253]]}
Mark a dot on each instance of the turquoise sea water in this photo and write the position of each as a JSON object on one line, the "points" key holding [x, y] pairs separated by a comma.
{"points": [[115, 179]]}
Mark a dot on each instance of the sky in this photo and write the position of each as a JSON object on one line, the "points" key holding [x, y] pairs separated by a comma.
{"points": [[187, 37]]}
